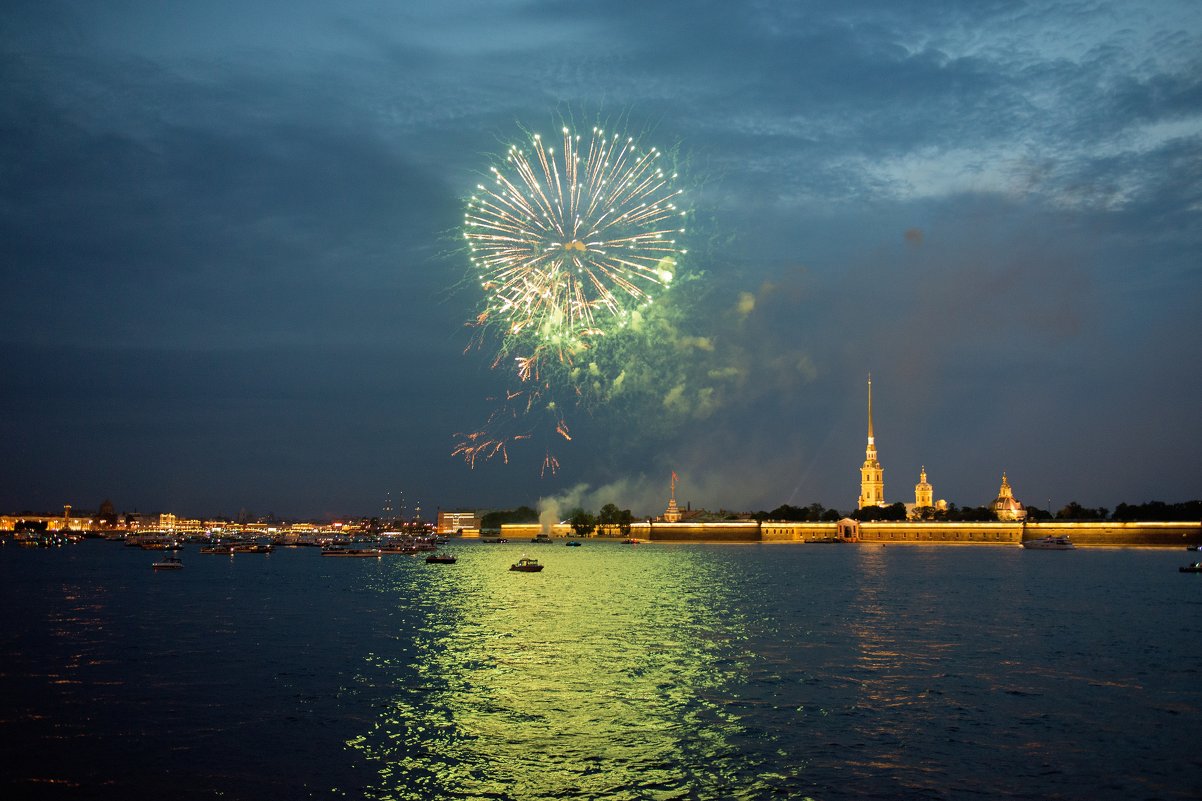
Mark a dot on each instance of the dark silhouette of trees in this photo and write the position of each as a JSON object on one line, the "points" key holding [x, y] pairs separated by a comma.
{"points": [[582, 522], [492, 521], [798, 514], [895, 511], [1075, 511], [1158, 510]]}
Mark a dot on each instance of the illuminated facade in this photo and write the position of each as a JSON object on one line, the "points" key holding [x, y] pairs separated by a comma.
{"points": [[463, 523], [1006, 506], [872, 475], [924, 493]]}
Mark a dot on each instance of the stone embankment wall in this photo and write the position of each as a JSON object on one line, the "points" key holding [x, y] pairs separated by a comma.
{"points": [[1085, 534], [954, 533], [1160, 534], [743, 531]]}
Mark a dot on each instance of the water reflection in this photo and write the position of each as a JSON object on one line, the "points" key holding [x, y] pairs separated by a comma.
{"points": [[605, 674]]}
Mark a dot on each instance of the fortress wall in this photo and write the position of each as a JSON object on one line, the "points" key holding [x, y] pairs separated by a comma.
{"points": [[783, 531], [964, 533], [1120, 534], [704, 532], [1085, 534], [526, 531]]}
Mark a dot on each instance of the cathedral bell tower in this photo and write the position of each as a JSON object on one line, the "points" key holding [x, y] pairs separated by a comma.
{"points": [[872, 475], [924, 493]]}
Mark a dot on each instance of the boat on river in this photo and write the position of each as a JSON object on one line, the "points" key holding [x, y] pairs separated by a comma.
{"points": [[361, 553], [572, 543], [170, 562], [440, 559], [217, 548], [253, 547], [1050, 543], [525, 565], [1196, 567]]}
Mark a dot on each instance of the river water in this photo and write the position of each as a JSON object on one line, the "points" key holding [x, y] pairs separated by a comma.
{"points": [[656, 671]]}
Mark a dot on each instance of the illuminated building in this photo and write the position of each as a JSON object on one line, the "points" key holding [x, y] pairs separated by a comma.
{"points": [[463, 523], [924, 493], [1006, 507], [872, 475]]}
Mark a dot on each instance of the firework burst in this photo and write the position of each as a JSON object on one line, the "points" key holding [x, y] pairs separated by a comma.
{"points": [[567, 246]]}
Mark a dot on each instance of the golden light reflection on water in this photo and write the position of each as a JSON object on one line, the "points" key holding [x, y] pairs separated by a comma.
{"points": [[602, 675]]}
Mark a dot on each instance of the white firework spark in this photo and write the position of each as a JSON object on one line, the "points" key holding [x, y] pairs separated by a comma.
{"points": [[568, 248]]}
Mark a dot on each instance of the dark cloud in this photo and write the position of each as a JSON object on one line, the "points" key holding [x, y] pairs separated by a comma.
{"points": [[227, 235]]}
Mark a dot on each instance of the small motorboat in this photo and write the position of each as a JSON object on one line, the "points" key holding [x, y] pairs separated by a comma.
{"points": [[1196, 567], [525, 565], [493, 540], [1050, 543], [1193, 547], [168, 563], [630, 541], [572, 543], [541, 539], [440, 559]]}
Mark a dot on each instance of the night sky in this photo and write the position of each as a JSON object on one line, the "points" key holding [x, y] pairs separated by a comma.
{"points": [[232, 276]]}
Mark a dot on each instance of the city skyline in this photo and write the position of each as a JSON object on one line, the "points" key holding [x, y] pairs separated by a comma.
{"points": [[230, 250]]}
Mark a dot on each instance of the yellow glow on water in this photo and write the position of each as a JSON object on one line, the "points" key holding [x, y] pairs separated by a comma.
{"points": [[589, 678]]}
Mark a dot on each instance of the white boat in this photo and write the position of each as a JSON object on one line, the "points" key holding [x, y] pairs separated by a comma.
{"points": [[168, 563], [1050, 543]]}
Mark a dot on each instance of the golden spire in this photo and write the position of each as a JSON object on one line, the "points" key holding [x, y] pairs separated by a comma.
{"points": [[870, 437]]}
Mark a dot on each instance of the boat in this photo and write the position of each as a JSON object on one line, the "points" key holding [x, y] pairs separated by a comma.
{"points": [[525, 565], [361, 553], [541, 539], [440, 559], [399, 548], [219, 549], [1196, 567], [493, 539], [1050, 543], [1193, 547], [252, 547], [169, 562], [630, 541], [572, 543]]}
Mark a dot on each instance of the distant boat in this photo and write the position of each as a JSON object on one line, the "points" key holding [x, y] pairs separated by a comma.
{"points": [[1196, 567], [1050, 543], [493, 539], [572, 543], [168, 563], [398, 548], [525, 565], [630, 541], [217, 549], [1193, 547], [541, 539], [361, 553], [252, 547], [440, 559]]}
